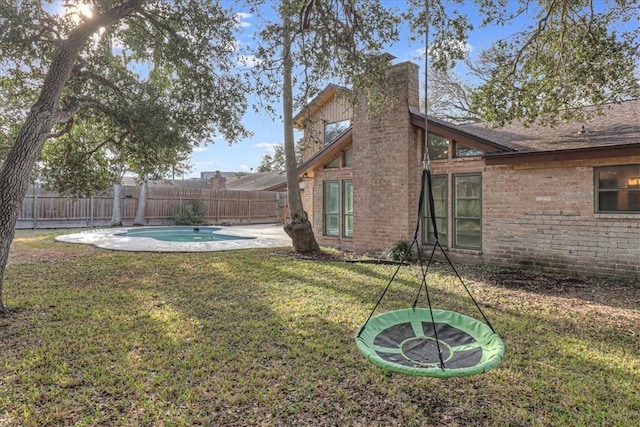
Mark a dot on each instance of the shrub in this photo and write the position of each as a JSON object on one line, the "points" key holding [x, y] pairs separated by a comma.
{"points": [[398, 251], [191, 213]]}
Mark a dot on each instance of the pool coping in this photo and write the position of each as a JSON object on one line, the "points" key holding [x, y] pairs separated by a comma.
{"points": [[265, 236]]}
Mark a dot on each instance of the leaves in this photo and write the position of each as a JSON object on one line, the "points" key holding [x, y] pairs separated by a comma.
{"points": [[342, 43], [160, 80], [569, 54], [270, 163], [548, 74]]}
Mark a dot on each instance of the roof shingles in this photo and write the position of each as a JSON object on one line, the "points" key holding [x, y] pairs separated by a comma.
{"points": [[620, 124]]}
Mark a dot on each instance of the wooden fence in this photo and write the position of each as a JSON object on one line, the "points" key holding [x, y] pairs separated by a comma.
{"points": [[44, 209]]}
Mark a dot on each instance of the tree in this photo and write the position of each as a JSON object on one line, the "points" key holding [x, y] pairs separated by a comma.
{"points": [[449, 96], [573, 53], [65, 63], [313, 43], [266, 164], [276, 163]]}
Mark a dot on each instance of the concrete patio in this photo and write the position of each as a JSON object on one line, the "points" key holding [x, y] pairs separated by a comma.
{"points": [[264, 236]]}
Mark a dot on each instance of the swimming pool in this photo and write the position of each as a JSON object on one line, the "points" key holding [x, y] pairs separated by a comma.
{"points": [[182, 234], [123, 239]]}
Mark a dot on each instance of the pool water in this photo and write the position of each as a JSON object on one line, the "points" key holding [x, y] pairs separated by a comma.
{"points": [[182, 234]]}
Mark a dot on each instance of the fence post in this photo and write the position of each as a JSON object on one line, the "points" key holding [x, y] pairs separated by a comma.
{"points": [[91, 205], [35, 206], [217, 208]]}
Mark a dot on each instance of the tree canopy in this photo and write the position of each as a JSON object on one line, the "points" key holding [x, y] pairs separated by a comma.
{"points": [[276, 162], [142, 92], [110, 72], [567, 54]]}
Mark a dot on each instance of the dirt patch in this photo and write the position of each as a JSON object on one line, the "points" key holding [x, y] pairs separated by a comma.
{"points": [[613, 296], [325, 255], [621, 293]]}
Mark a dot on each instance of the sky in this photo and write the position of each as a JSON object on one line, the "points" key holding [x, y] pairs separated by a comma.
{"points": [[245, 155]]}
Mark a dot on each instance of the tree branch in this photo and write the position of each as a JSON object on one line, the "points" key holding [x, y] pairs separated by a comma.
{"points": [[64, 131], [71, 105], [88, 75]]}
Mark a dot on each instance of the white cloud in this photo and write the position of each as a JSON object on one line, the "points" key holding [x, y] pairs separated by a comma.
{"points": [[452, 45], [244, 168], [241, 19], [268, 146], [200, 148]]}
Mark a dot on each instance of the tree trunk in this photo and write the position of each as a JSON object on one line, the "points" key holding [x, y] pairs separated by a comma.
{"points": [[299, 229], [142, 203], [16, 169], [116, 212]]}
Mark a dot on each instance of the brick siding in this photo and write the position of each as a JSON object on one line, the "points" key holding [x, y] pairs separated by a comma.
{"points": [[385, 170], [542, 216], [537, 215]]}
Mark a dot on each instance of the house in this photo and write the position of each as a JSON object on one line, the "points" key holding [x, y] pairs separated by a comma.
{"points": [[258, 181], [564, 199], [233, 181]]}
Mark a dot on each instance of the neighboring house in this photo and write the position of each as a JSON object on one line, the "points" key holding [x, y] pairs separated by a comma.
{"points": [[563, 199], [259, 181]]}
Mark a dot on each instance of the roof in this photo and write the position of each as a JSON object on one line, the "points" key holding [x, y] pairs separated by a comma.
{"points": [[614, 133], [182, 183], [259, 181], [329, 150], [266, 181], [456, 132], [618, 125]]}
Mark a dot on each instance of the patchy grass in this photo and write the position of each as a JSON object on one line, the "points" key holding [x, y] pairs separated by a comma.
{"points": [[258, 337]]}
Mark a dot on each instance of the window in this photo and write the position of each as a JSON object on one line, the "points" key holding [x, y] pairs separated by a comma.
{"points": [[467, 211], [331, 208], [334, 130], [347, 204], [338, 208], [439, 187], [348, 157], [617, 189], [464, 151], [343, 159], [333, 164], [438, 147]]}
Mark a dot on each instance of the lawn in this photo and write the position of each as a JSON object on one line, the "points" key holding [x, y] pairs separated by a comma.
{"points": [[262, 338]]}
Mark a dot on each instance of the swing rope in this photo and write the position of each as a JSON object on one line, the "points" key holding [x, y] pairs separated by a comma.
{"points": [[426, 187]]}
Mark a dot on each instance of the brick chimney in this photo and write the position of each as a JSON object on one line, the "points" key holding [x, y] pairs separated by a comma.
{"points": [[218, 182], [386, 169]]}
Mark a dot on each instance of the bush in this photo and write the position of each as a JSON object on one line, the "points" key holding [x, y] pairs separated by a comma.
{"points": [[192, 213], [398, 251]]}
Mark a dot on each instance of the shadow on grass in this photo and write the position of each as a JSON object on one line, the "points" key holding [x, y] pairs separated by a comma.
{"points": [[617, 293], [243, 339]]}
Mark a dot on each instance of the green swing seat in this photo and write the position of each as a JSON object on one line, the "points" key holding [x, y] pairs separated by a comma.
{"points": [[404, 341]]}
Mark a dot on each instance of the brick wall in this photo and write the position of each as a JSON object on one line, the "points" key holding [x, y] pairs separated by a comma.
{"points": [[384, 165], [542, 216], [537, 216], [306, 194]]}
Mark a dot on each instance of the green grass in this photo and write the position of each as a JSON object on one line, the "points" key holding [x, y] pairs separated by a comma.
{"points": [[257, 337]]}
